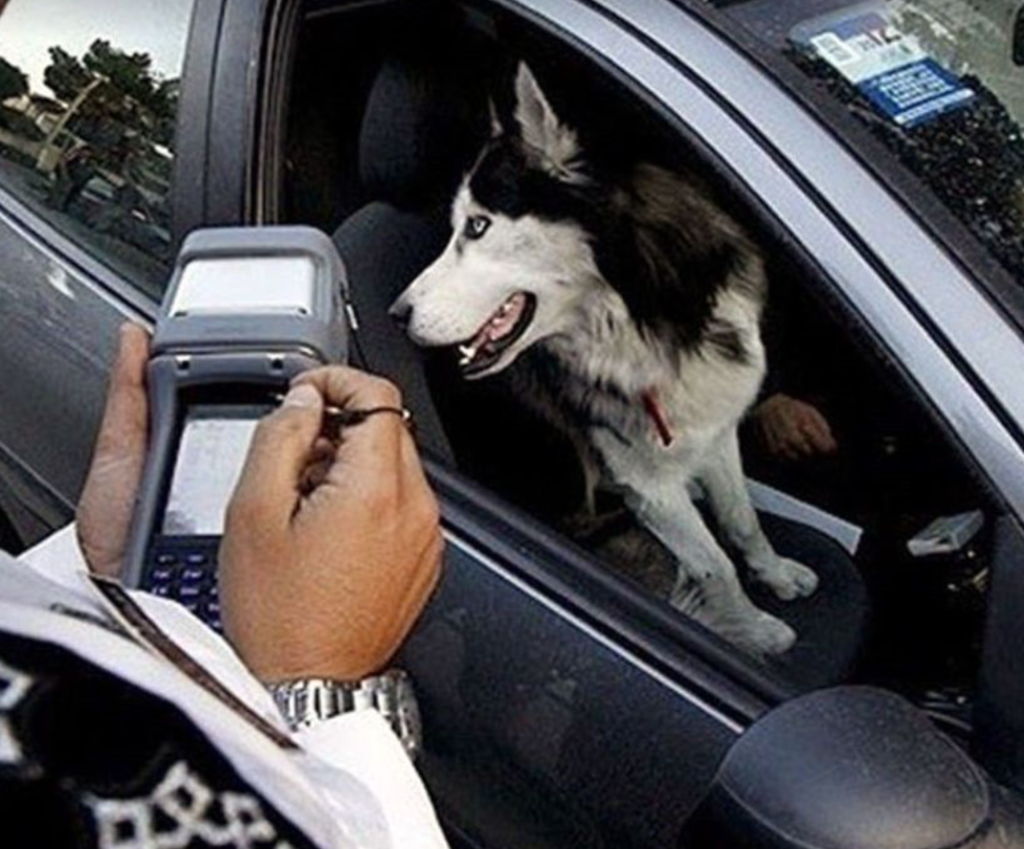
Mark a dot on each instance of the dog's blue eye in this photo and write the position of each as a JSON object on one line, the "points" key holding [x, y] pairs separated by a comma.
{"points": [[476, 226]]}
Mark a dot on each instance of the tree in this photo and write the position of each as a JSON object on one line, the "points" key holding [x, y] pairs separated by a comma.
{"points": [[129, 73], [65, 76], [13, 81], [129, 95]]}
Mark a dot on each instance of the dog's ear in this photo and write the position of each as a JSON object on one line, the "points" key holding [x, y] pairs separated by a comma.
{"points": [[542, 130], [497, 128]]}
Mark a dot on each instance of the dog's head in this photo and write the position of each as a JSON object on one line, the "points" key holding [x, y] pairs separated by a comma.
{"points": [[519, 260]]}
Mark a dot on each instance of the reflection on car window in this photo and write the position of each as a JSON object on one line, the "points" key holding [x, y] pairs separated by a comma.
{"points": [[938, 81], [88, 99]]}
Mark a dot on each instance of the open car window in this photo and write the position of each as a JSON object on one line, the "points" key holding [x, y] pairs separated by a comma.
{"points": [[937, 82], [377, 161]]}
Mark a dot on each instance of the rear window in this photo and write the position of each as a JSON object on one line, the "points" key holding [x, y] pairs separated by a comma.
{"points": [[939, 82]]}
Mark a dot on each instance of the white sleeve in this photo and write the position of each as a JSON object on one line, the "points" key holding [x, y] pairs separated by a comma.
{"points": [[362, 744], [58, 558], [354, 761]]}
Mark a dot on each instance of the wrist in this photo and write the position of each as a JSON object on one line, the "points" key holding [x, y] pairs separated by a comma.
{"points": [[306, 702]]}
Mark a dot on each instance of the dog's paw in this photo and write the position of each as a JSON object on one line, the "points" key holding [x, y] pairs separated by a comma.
{"points": [[767, 635], [787, 578]]}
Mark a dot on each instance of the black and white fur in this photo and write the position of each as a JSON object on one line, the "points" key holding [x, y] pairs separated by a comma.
{"points": [[635, 281]]}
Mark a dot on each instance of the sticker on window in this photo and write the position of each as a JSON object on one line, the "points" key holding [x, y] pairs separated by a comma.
{"points": [[888, 66]]}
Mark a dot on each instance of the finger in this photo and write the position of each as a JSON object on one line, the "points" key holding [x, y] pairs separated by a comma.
{"points": [[379, 438], [790, 452], [314, 475], [817, 429], [414, 476], [271, 480], [350, 388], [776, 446]]}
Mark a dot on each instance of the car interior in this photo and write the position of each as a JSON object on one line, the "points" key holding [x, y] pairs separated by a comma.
{"points": [[388, 108]]}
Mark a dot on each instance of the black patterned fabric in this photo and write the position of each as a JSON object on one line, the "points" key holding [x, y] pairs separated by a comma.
{"points": [[87, 760]]}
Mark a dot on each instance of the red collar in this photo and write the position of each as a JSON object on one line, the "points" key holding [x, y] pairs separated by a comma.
{"points": [[654, 409]]}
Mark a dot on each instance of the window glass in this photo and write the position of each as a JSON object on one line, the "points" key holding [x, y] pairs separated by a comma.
{"points": [[88, 99], [938, 81]]}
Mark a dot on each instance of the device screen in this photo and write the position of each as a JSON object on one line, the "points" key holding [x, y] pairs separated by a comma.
{"points": [[214, 443]]}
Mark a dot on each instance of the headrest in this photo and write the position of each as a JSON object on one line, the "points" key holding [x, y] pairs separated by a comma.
{"points": [[425, 121]]}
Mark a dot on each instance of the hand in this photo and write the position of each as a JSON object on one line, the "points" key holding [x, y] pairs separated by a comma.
{"points": [[330, 551], [793, 429], [105, 508]]}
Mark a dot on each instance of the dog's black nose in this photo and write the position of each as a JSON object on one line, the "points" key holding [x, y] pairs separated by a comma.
{"points": [[401, 313]]}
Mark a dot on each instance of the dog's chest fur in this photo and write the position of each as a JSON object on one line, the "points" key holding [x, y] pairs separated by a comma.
{"points": [[591, 382]]}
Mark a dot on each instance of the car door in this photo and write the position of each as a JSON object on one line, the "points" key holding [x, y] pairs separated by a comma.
{"points": [[104, 110], [561, 707]]}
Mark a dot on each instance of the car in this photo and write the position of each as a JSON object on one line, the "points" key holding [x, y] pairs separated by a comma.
{"points": [[565, 702]]}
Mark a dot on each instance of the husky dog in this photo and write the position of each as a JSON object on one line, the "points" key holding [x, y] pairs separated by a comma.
{"points": [[630, 304]]}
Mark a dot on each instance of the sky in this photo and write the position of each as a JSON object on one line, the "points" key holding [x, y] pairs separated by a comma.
{"points": [[29, 28]]}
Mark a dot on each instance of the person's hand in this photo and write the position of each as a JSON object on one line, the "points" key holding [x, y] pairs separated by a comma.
{"points": [[793, 429], [105, 508], [330, 551]]}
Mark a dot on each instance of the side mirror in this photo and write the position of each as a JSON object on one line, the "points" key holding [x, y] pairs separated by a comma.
{"points": [[852, 768]]}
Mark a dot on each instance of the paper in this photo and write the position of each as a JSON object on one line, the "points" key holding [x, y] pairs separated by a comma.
{"points": [[777, 503], [889, 66]]}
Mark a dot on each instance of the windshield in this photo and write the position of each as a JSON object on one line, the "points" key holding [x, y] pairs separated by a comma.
{"points": [[939, 82]]}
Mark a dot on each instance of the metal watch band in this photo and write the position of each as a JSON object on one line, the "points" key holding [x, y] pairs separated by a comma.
{"points": [[308, 701]]}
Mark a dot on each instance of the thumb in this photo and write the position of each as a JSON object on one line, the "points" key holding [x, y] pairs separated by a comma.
{"points": [[280, 451], [124, 427]]}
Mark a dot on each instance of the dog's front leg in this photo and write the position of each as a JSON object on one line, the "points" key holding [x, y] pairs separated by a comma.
{"points": [[729, 499], [707, 573]]}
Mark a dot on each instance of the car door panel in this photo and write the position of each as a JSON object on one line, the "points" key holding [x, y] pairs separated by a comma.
{"points": [[58, 333], [538, 725], [547, 723]]}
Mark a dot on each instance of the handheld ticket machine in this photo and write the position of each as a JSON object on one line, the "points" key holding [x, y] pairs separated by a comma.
{"points": [[247, 310]]}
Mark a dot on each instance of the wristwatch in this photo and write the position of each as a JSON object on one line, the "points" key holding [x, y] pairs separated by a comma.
{"points": [[308, 701]]}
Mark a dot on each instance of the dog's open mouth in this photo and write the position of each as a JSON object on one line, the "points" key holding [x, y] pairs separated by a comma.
{"points": [[505, 326]]}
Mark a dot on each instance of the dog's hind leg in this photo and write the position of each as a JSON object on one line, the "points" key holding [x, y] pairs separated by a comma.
{"points": [[729, 499]]}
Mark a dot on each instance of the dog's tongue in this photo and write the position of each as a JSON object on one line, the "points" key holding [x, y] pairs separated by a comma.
{"points": [[502, 322]]}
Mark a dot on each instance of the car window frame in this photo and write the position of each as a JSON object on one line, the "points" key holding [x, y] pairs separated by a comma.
{"points": [[232, 167]]}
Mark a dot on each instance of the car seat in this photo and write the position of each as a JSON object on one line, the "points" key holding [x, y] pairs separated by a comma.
{"points": [[426, 118]]}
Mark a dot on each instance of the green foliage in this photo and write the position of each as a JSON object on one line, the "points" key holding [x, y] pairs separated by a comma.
{"points": [[65, 76], [126, 92], [13, 81]]}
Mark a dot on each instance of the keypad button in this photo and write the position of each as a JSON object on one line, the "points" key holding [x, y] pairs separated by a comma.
{"points": [[191, 605], [196, 559], [189, 591], [162, 590], [193, 575], [166, 559], [161, 575]]}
